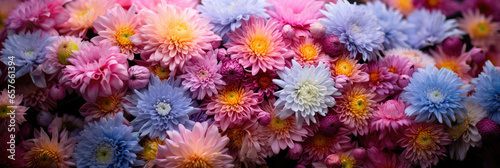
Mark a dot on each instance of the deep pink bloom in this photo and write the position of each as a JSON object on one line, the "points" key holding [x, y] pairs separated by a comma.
{"points": [[485, 7], [262, 82], [417, 57], [381, 81], [400, 66], [299, 14], [447, 7], [138, 77], [317, 147], [390, 117], [97, 71], [457, 64], [232, 71], [377, 158]]}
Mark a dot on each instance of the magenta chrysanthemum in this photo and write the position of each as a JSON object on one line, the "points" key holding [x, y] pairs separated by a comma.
{"points": [[390, 117], [457, 64], [258, 45], [263, 83], [355, 108], [82, 14], [381, 81], [400, 66], [173, 36], [317, 147], [201, 76], [58, 53], [299, 14], [97, 71]]}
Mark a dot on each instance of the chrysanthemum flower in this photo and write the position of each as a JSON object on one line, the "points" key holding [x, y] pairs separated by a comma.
{"points": [[308, 52], [159, 71], [35, 97], [448, 7], [485, 7], [115, 27], [173, 36], [232, 71], [148, 154], [349, 67], [7, 6], [107, 106], [355, 108], [307, 92], [69, 123], [59, 51], [262, 82], [36, 15], [153, 4], [227, 15], [298, 14], [465, 133], [11, 109], [233, 105], [392, 24], [107, 143], [258, 45], [390, 117], [377, 158], [160, 107], [435, 94], [317, 147], [27, 51], [356, 27], [202, 147], [96, 71], [417, 57], [482, 31], [487, 87], [381, 81], [283, 133], [424, 143], [50, 152], [201, 76], [431, 28], [248, 143], [404, 6], [399, 65], [456, 64], [82, 14]]}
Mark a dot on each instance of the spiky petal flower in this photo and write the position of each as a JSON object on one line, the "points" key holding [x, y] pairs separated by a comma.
{"points": [[401, 66], [248, 143], [434, 94], [355, 108], [35, 97], [349, 67], [390, 117], [59, 51], [202, 147], [7, 111], [115, 27], [82, 14], [381, 81], [96, 71], [300, 14], [227, 15], [201, 76], [50, 152], [149, 152], [417, 57], [233, 106], [153, 4], [258, 45], [173, 36], [262, 83], [160, 107], [107, 106], [356, 27], [432, 28], [482, 31], [487, 87], [309, 52], [424, 143], [307, 92], [107, 143], [457, 64], [317, 147]]}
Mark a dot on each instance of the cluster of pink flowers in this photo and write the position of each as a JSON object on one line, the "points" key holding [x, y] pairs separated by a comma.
{"points": [[280, 83]]}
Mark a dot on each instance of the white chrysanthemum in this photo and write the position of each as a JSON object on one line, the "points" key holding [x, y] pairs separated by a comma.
{"points": [[306, 91], [464, 133]]}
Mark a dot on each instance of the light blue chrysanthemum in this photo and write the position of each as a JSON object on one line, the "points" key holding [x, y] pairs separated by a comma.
{"points": [[356, 27], [431, 28], [307, 91], [28, 51], [161, 107], [392, 24], [435, 94], [487, 87], [107, 143], [227, 15]]}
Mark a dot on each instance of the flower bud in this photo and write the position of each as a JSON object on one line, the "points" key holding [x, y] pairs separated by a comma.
{"points": [[317, 30]]}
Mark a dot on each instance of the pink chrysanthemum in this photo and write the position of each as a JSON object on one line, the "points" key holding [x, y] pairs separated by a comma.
{"points": [[381, 81], [400, 66], [6, 107], [36, 98], [50, 152], [263, 83], [103, 107], [201, 77], [308, 52], [97, 71], [82, 14], [283, 133], [317, 147], [349, 67], [298, 14], [247, 143], [482, 31], [202, 147], [258, 45], [390, 117], [355, 108], [173, 36], [115, 27], [153, 4], [377, 158], [456, 64], [424, 143], [233, 105], [417, 57], [61, 49], [35, 15], [69, 123], [447, 7]]}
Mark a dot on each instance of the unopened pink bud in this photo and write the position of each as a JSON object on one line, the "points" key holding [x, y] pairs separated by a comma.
{"points": [[333, 161], [57, 92], [359, 153], [288, 31], [295, 152], [332, 45], [403, 81], [477, 55], [138, 77], [452, 46], [317, 30], [264, 118]]}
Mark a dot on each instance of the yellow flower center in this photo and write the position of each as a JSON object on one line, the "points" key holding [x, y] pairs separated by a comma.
{"points": [[458, 129], [150, 149], [432, 3], [3, 16], [259, 46], [196, 161], [347, 162], [375, 77], [278, 126], [343, 67], [424, 139], [104, 154], [308, 52], [405, 6], [235, 136], [65, 50], [358, 105], [410, 54], [45, 158], [321, 142], [308, 92], [122, 37], [180, 33], [450, 65], [481, 30], [162, 73], [107, 104], [393, 70], [232, 96], [4, 109]]}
